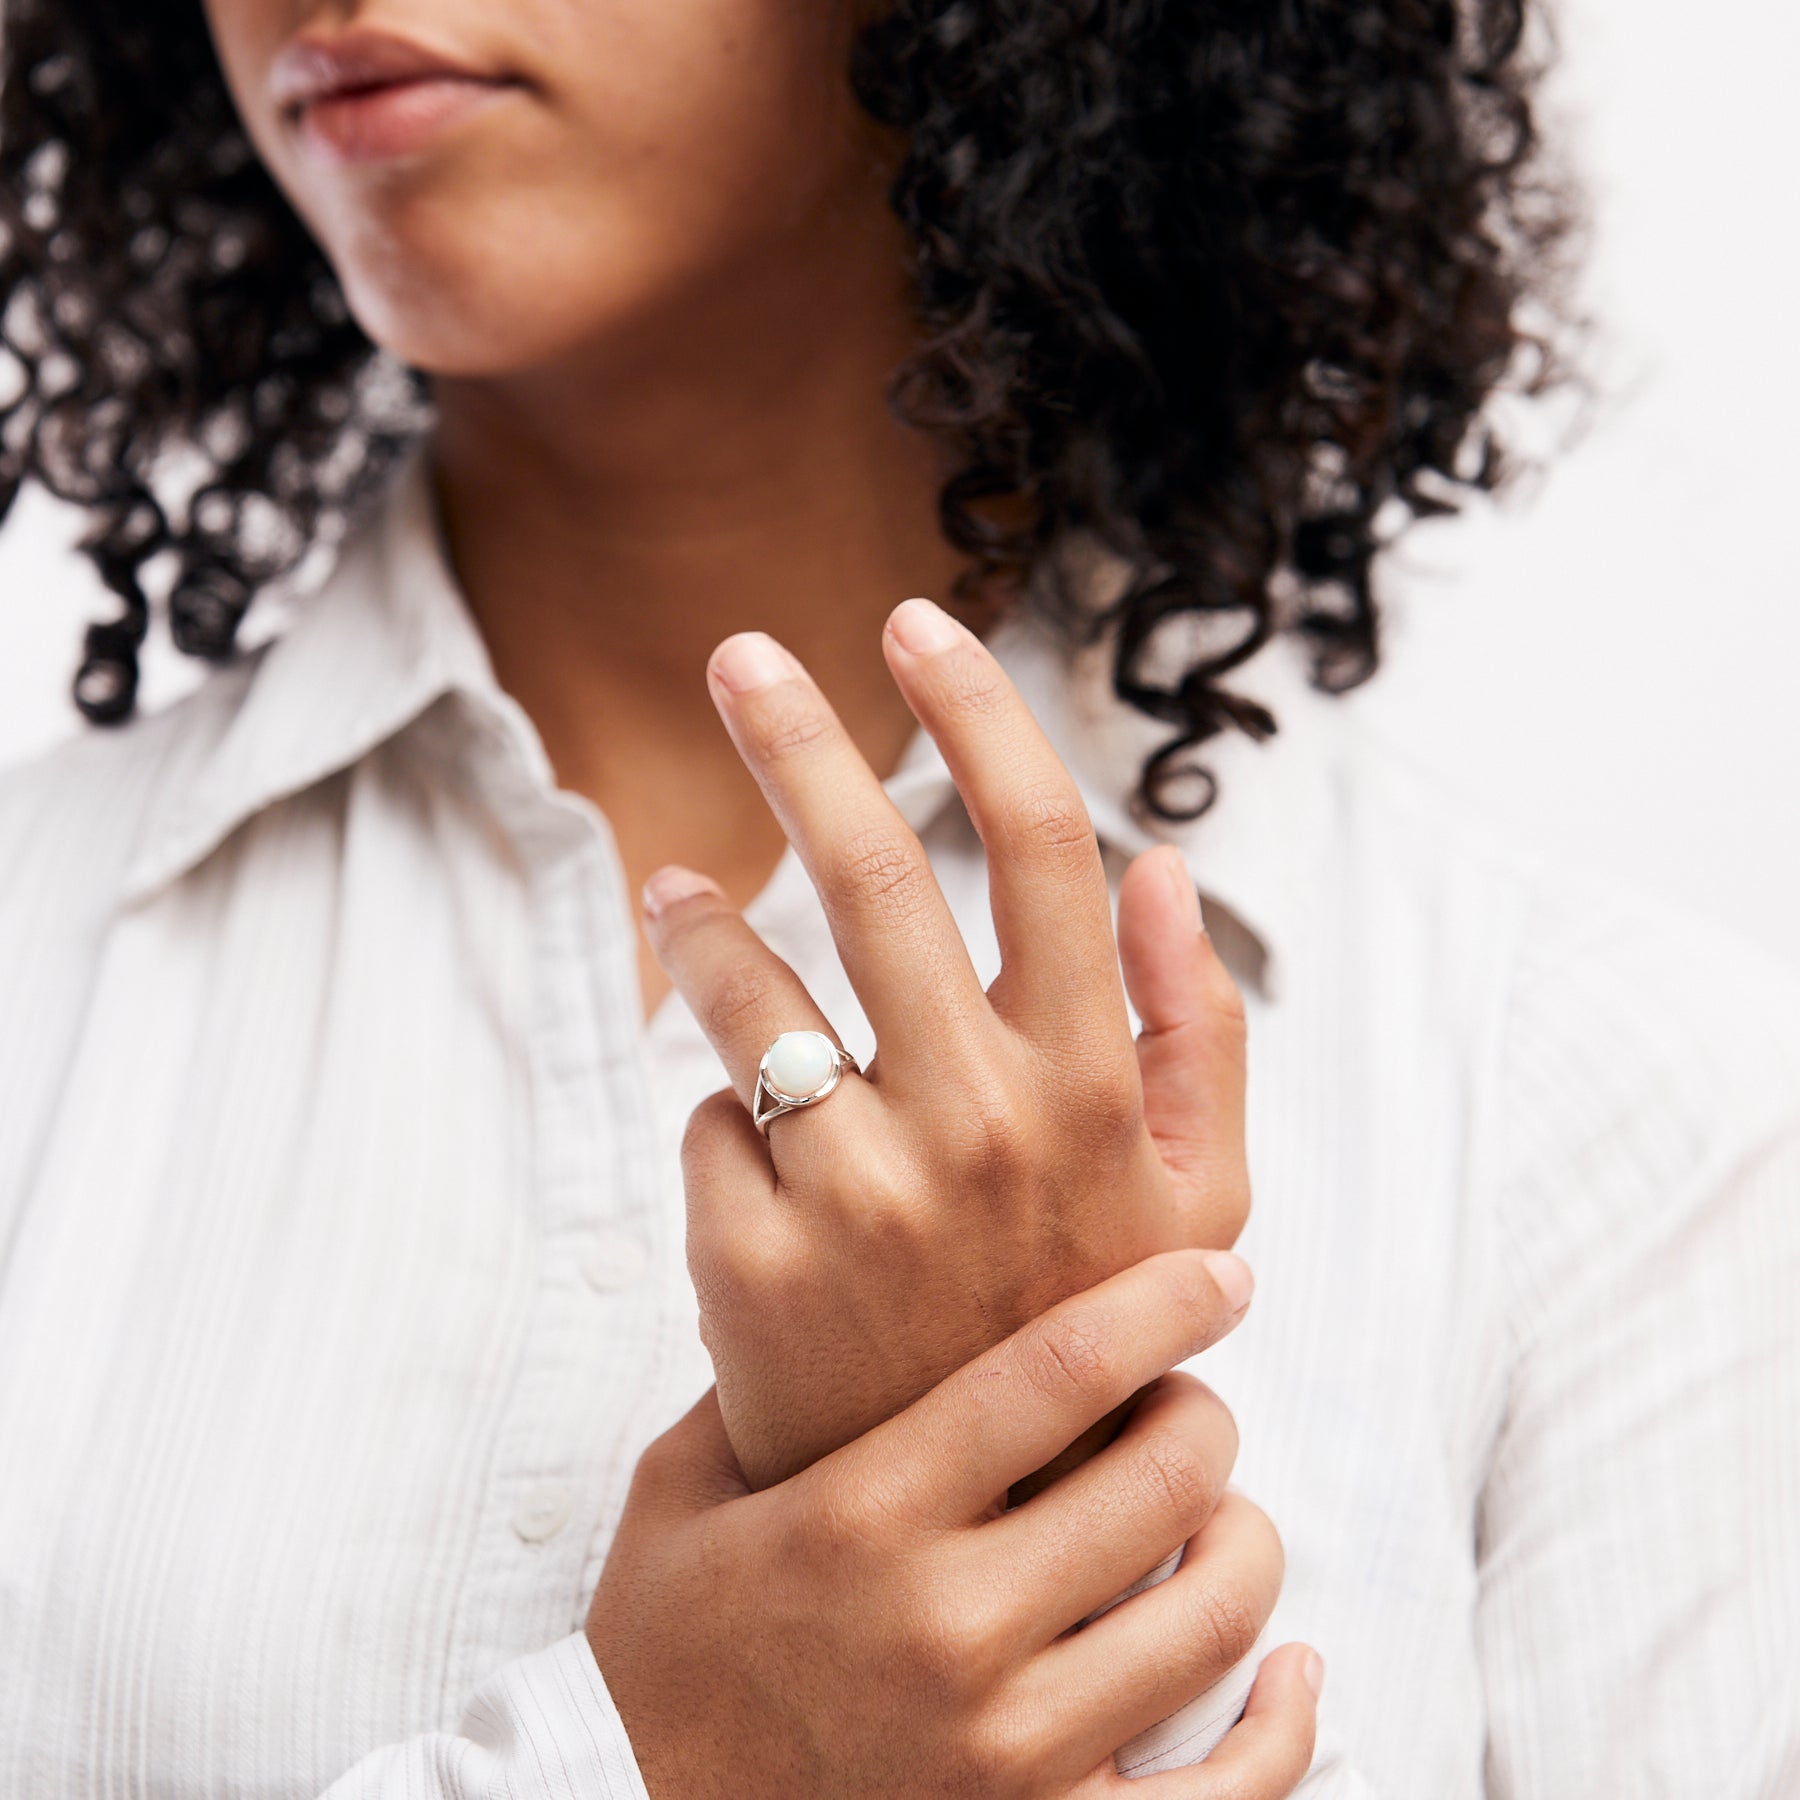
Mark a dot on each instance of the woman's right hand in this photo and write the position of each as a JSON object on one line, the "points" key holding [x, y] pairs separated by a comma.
{"points": [[1008, 1146], [882, 1625]]}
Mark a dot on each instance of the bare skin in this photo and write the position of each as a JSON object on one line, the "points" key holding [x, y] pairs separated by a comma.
{"points": [[661, 294], [961, 1674], [652, 274], [873, 1245], [802, 535]]}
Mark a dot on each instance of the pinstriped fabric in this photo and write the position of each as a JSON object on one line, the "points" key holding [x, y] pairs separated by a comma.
{"points": [[341, 1277]]}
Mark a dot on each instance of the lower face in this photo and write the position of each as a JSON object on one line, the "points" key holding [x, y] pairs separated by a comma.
{"points": [[500, 183]]}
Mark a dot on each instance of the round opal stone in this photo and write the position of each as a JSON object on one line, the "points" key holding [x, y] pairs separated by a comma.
{"points": [[800, 1063]]}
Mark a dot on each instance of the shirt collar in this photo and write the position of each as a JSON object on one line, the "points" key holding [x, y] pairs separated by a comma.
{"points": [[389, 632], [383, 637]]}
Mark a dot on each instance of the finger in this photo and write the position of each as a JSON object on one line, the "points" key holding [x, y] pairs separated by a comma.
{"points": [[735, 1229], [1191, 1045], [742, 994], [1155, 1652], [1267, 1753], [691, 1467], [894, 930], [952, 1455], [1103, 1526], [1047, 886]]}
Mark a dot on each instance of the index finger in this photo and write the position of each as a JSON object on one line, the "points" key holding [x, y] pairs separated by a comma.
{"points": [[1017, 1405]]}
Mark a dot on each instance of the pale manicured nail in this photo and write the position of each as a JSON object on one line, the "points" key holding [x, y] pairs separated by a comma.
{"points": [[675, 883], [1314, 1671], [1233, 1275], [924, 628], [752, 660]]}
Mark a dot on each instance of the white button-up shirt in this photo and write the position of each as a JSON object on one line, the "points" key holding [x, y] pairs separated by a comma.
{"points": [[341, 1277]]}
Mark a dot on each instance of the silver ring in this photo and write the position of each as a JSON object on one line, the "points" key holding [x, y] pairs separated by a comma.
{"points": [[809, 1066]]}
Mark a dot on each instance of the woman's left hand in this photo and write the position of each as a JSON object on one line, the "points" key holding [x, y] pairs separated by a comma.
{"points": [[1005, 1149]]}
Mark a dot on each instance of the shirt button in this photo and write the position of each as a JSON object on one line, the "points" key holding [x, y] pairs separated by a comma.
{"points": [[613, 1260], [542, 1511]]}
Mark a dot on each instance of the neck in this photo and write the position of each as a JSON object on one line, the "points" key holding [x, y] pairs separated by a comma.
{"points": [[611, 519]]}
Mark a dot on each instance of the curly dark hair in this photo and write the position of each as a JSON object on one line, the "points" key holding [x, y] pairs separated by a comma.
{"points": [[1224, 286]]}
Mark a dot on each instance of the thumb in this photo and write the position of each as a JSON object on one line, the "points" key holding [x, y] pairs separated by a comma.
{"points": [[1191, 1045]]}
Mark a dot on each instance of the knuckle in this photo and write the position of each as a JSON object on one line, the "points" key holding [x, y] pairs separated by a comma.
{"points": [[962, 1641], [1112, 1104], [1068, 1356], [971, 685], [1176, 1476], [869, 1183], [1053, 822], [658, 1466], [840, 1513], [785, 732], [732, 1263], [653, 1461], [742, 992], [1110, 1089], [1002, 1751], [995, 1135], [1223, 1622], [709, 1134], [892, 1227], [884, 869], [853, 1514], [743, 1274]]}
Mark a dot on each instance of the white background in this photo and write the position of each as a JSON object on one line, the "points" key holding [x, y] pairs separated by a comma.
{"points": [[1609, 664]]}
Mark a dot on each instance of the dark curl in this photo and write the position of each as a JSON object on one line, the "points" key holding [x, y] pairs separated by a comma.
{"points": [[1224, 287]]}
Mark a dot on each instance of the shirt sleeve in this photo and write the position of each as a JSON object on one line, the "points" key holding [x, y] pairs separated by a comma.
{"points": [[1639, 1530], [1638, 1614], [1192, 1734], [1189, 1734], [541, 1728]]}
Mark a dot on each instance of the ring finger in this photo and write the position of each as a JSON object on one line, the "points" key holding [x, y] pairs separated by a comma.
{"points": [[742, 994], [1155, 1652], [1085, 1539]]}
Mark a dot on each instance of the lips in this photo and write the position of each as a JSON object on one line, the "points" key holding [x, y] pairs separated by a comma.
{"points": [[366, 96]]}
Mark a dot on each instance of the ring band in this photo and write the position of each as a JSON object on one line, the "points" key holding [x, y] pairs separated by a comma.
{"points": [[800, 1068]]}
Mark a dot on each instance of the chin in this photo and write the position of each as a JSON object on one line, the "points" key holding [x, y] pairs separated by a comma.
{"points": [[467, 303], [442, 328]]}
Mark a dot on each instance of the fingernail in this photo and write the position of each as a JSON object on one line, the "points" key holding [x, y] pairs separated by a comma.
{"points": [[923, 628], [1314, 1671], [1233, 1275], [1185, 892], [674, 883], [752, 660]]}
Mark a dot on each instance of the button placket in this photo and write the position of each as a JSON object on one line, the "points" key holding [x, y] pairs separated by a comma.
{"points": [[592, 1358], [543, 1510], [611, 1261]]}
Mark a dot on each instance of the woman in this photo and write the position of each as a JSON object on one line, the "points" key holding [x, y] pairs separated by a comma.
{"points": [[351, 1099]]}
